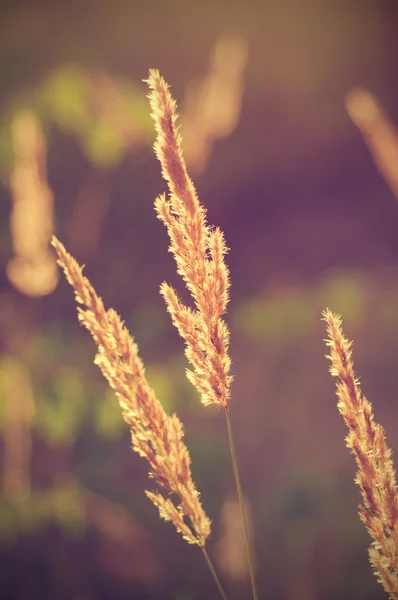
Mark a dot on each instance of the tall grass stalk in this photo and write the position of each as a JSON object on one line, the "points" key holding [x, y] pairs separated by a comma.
{"points": [[241, 503], [376, 474], [155, 435], [214, 573], [199, 252]]}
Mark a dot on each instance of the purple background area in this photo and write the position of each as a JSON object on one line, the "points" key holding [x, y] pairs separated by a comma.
{"points": [[309, 222]]}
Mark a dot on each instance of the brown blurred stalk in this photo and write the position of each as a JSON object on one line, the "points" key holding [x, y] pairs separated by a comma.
{"points": [[19, 411], [380, 134], [32, 270], [213, 104]]}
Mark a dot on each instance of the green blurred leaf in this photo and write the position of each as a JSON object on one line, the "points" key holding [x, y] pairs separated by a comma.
{"points": [[101, 145], [62, 98], [346, 294], [66, 507], [107, 416], [286, 314], [6, 148], [292, 312], [15, 380], [65, 97], [159, 378], [60, 412], [61, 504], [16, 517], [148, 322]]}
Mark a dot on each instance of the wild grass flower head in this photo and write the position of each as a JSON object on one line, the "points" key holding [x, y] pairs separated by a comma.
{"points": [[155, 435], [199, 253], [376, 475]]}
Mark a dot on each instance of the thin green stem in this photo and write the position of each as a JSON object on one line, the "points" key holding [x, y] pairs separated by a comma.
{"points": [[241, 504], [213, 572]]}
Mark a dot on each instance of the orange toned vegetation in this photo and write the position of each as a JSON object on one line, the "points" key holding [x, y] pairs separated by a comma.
{"points": [[376, 475], [199, 254], [199, 251], [155, 435]]}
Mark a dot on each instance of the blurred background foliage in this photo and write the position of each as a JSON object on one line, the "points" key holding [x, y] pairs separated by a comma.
{"points": [[300, 173]]}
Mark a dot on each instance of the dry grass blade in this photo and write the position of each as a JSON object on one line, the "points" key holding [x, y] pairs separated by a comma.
{"points": [[376, 475], [155, 435]]}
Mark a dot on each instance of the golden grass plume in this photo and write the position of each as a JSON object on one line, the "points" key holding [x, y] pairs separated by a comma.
{"points": [[199, 253], [376, 475], [155, 435]]}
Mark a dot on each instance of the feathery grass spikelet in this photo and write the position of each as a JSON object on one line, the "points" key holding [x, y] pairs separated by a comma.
{"points": [[376, 475], [199, 253], [155, 435]]}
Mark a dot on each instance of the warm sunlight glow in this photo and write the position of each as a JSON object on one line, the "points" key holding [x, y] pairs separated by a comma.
{"points": [[32, 270]]}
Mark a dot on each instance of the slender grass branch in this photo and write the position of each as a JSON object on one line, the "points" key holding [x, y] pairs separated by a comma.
{"points": [[214, 574], [241, 504], [199, 251]]}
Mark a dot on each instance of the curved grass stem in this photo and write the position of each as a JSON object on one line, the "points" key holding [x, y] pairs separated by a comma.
{"points": [[214, 574], [241, 504]]}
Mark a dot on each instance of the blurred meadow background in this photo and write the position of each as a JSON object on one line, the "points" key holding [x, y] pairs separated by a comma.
{"points": [[287, 116]]}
